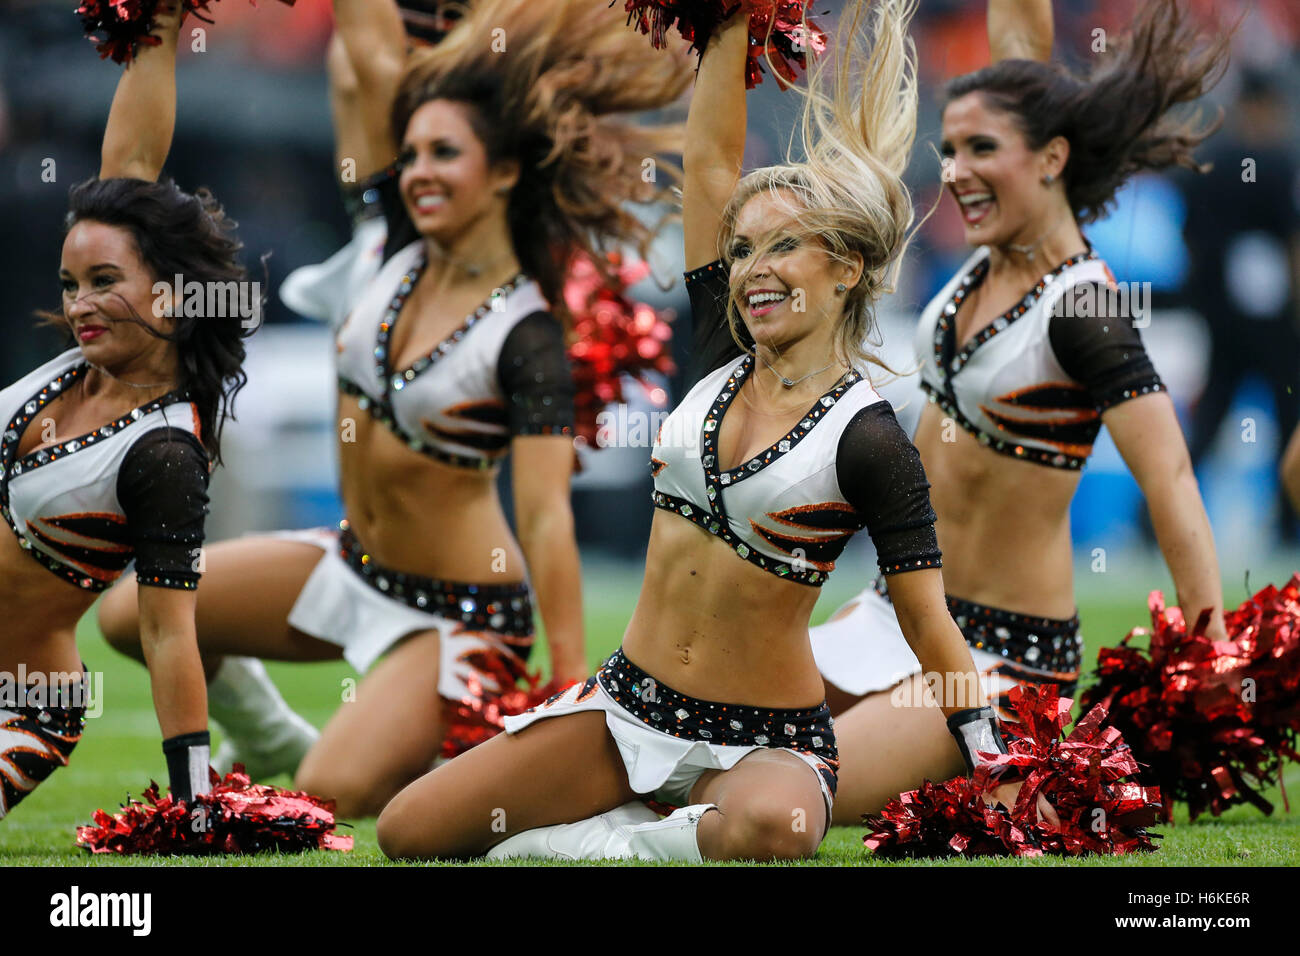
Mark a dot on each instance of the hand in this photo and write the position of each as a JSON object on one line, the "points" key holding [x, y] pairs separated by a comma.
{"points": [[1006, 795], [1217, 630]]}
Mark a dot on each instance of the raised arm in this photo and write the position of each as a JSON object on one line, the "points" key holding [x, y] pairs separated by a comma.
{"points": [[1020, 30], [143, 115], [374, 38], [715, 138]]}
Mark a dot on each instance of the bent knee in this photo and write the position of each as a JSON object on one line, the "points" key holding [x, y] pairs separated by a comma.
{"points": [[405, 833], [353, 797], [773, 830]]}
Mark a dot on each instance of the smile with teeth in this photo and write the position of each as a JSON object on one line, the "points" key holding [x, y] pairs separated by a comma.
{"points": [[975, 206], [428, 202], [760, 303]]}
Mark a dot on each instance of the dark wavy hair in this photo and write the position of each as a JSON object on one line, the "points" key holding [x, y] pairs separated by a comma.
{"points": [[557, 103], [178, 233], [1116, 117]]}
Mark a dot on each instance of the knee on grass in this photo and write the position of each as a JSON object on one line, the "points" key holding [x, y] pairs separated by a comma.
{"points": [[761, 829]]}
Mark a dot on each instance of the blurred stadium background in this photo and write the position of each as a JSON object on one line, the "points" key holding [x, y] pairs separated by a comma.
{"points": [[254, 126]]}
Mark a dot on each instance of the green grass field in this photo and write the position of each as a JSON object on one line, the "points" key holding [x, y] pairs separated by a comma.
{"points": [[120, 752]]}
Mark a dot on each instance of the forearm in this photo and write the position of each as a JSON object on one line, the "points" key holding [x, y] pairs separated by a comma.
{"points": [[351, 145], [1020, 29], [715, 126], [947, 666], [374, 37], [715, 139], [142, 119], [935, 639], [555, 571], [180, 694], [1186, 540]]}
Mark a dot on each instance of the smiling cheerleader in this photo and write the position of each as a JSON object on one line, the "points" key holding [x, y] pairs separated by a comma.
{"points": [[1024, 357], [514, 153], [105, 450], [780, 451]]}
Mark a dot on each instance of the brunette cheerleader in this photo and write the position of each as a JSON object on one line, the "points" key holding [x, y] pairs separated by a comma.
{"points": [[511, 161], [774, 458], [105, 450], [1024, 355]]}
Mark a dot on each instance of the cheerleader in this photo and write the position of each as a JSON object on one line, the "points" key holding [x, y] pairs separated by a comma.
{"points": [[105, 450], [452, 358], [773, 459], [1024, 356]]}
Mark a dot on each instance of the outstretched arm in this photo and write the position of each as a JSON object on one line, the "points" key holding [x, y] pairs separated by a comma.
{"points": [[1147, 434], [945, 660], [374, 39], [143, 115], [1020, 30], [715, 138]]}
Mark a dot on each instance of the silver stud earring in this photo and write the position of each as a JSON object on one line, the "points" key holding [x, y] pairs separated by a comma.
{"points": [[1049, 179], [841, 287]]}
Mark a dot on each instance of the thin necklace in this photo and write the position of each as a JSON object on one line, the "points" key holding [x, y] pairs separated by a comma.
{"points": [[100, 368], [1028, 251], [471, 269], [791, 383]]}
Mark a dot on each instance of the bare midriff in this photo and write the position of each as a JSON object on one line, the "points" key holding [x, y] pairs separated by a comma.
{"points": [[415, 514], [41, 613], [711, 625], [1003, 524]]}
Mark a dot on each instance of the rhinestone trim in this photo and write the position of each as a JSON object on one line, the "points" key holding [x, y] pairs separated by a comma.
{"points": [[12, 467]]}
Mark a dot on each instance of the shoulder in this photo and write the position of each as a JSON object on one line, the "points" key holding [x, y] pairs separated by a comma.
{"points": [[713, 274], [167, 448], [46, 372], [873, 428], [535, 330]]}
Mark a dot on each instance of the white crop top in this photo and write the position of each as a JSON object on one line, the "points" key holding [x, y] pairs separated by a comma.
{"points": [[1034, 382], [132, 489], [847, 464], [502, 373]]}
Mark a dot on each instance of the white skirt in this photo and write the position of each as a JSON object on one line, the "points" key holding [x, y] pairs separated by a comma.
{"points": [[338, 606], [659, 764]]}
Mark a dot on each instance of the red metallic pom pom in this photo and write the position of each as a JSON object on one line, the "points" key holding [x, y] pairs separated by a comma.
{"points": [[237, 816], [481, 714], [613, 336], [1211, 721], [120, 27], [1081, 775], [777, 27]]}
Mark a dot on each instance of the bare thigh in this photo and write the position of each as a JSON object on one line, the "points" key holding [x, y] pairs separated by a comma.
{"points": [[248, 588], [558, 770], [384, 735], [887, 748], [770, 807]]}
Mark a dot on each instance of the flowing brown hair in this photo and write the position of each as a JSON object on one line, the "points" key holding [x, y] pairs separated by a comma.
{"points": [[545, 82], [1116, 117]]}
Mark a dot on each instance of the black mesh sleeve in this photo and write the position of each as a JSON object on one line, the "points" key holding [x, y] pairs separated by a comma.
{"points": [[712, 344], [880, 474], [401, 231], [534, 374], [1099, 347], [163, 490]]}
